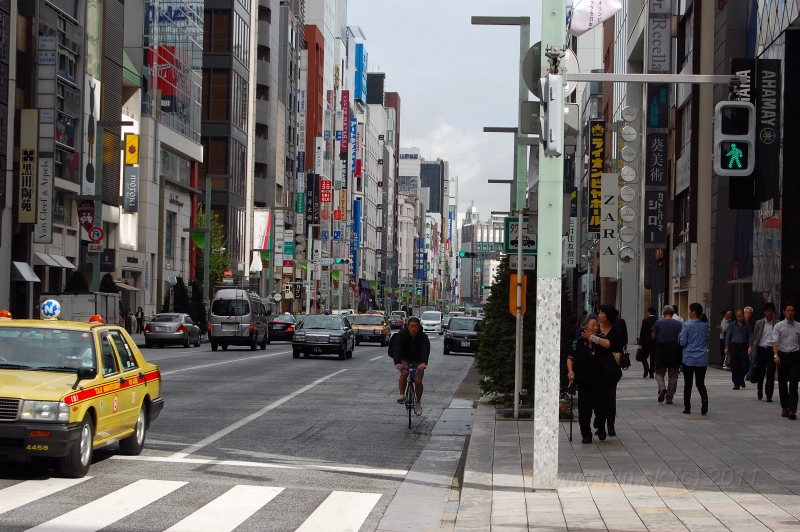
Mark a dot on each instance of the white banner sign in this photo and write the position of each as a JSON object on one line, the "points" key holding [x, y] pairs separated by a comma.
{"points": [[588, 14], [609, 246], [43, 230]]}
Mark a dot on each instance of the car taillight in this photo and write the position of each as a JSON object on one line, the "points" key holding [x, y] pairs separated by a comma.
{"points": [[147, 328], [251, 327], [289, 328], [181, 329], [209, 326]]}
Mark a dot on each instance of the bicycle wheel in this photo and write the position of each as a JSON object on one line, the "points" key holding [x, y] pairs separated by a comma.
{"points": [[411, 398]]}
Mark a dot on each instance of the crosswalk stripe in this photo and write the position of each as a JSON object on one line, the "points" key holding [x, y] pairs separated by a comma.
{"points": [[33, 490], [342, 511], [229, 510], [111, 508]]}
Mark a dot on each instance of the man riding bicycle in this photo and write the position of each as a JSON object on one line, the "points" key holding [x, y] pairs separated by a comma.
{"points": [[410, 348]]}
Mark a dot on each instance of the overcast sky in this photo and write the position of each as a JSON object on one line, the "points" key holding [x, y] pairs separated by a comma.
{"points": [[453, 79]]}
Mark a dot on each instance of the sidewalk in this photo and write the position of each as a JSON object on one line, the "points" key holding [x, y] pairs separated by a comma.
{"points": [[737, 468]]}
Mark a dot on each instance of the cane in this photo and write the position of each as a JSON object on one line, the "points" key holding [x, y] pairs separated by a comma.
{"points": [[571, 411]]}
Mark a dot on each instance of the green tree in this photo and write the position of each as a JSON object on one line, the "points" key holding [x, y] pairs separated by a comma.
{"points": [[76, 282], [219, 260], [108, 285], [198, 309], [182, 304], [496, 349]]}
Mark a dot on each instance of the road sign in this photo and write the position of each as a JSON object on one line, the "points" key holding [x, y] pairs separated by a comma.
{"points": [[94, 247], [228, 274], [528, 262], [96, 234], [512, 236], [86, 214], [325, 262]]}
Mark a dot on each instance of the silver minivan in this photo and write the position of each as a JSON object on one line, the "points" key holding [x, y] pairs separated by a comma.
{"points": [[237, 317]]}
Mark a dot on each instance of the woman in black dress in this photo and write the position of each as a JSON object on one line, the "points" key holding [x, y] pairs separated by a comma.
{"points": [[589, 365], [613, 328]]}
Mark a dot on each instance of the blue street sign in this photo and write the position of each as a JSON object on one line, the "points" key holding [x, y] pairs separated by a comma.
{"points": [[339, 135], [324, 235], [337, 236]]}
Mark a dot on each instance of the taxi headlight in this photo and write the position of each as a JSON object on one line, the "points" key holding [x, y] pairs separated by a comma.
{"points": [[45, 411], [448, 334], [300, 337], [334, 339]]}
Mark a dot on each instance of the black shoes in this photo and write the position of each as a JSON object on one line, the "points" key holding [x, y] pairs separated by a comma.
{"points": [[586, 440], [769, 399], [611, 431], [743, 386], [792, 415], [687, 411], [661, 395], [704, 408], [735, 387], [760, 394], [601, 434]]}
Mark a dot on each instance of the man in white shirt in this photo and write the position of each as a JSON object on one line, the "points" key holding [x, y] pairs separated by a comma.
{"points": [[786, 353], [675, 316], [762, 351]]}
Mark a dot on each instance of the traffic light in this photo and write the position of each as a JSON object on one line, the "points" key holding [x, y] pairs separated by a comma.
{"points": [[734, 138], [483, 287], [551, 115], [342, 261], [467, 254]]}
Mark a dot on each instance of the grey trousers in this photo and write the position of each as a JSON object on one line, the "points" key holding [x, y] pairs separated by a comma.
{"points": [[672, 385]]}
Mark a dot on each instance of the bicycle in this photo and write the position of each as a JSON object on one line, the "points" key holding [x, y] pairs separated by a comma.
{"points": [[410, 394]]}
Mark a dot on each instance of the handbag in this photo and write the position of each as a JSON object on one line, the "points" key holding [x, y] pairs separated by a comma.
{"points": [[626, 359], [639, 355]]}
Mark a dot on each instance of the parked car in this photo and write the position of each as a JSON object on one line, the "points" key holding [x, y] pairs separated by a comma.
{"points": [[431, 321], [372, 328], [320, 334], [171, 328], [238, 317], [397, 319], [446, 319], [462, 335], [281, 327]]}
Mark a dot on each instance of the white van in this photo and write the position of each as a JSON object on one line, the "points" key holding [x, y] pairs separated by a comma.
{"points": [[431, 321]]}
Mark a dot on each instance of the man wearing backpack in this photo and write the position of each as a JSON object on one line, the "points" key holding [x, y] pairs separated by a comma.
{"points": [[410, 348]]}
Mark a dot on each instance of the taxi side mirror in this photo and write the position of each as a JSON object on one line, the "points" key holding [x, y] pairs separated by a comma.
{"points": [[84, 374]]}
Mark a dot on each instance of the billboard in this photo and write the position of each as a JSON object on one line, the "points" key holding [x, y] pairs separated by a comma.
{"points": [[597, 155]]}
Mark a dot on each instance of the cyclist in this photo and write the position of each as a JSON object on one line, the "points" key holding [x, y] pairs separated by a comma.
{"points": [[411, 348]]}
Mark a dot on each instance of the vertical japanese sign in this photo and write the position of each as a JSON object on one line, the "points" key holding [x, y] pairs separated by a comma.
{"points": [[353, 146], [597, 155], [309, 200], [345, 122], [131, 148], [608, 226], [130, 189], [317, 200], [655, 217], [570, 257], [655, 180], [28, 150], [355, 238]]}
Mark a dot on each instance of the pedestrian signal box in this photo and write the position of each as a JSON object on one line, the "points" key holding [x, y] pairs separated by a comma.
{"points": [[734, 138]]}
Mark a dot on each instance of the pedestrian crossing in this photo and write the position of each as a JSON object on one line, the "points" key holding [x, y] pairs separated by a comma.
{"points": [[341, 511]]}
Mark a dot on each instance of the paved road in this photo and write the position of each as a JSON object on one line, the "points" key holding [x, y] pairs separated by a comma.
{"points": [[249, 439]]}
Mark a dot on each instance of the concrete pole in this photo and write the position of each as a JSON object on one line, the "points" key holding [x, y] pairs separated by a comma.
{"points": [[548, 283]]}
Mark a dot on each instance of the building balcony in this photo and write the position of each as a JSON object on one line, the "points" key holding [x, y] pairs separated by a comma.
{"points": [[262, 151], [264, 29], [262, 73], [261, 192], [262, 112]]}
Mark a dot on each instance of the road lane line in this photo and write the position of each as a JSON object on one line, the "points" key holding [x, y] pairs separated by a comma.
{"points": [[32, 490], [342, 511], [225, 362], [111, 508], [229, 510], [264, 465], [374, 359], [255, 415]]}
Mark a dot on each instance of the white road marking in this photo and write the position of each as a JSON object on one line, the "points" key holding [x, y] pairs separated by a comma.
{"points": [[229, 510], [32, 490], [342, 511], [225, 362], [265, 465], [255, 415], [374, 359], [111, 508]]}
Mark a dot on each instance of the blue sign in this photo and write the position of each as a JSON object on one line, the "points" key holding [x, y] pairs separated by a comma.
{"points": [[337, 236], [353, 147], [339, 135], [301, 162], [327, 135], [357, 232], [325, 235]]}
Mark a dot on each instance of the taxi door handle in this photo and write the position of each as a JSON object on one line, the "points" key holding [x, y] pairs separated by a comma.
{"points": [[122, 380]]}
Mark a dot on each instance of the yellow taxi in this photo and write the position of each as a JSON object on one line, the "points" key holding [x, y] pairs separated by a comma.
{"points": [[68, 388], [371, 328]]}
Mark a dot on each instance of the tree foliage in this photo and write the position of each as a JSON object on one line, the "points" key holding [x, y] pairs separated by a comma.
{"points": [[198, 309], [76, 282], [219, 260], [181, 304], [108, 285], [497, 339]]}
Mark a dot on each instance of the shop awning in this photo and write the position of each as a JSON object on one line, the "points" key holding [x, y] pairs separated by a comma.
{"points": [[63, 261], [43, 259], [22, 271], [127, 287]]}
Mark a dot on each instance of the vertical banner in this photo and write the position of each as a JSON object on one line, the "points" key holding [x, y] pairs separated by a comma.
{"points": [[355, 240], [655, 217], [319, 155], [570, 257], [131, 148], [262, 221], [28, 150], [655, 171], [608, 226], [309, 200], [768, 129], [43, 230], [597, 155], [345, 122], [130, 189], [353, 145], [91, 114], [278, 232], [316, 203]]}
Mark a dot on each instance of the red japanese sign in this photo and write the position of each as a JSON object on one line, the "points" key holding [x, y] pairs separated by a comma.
{"points": [[325, 184], [325, 196], [337, 214]]}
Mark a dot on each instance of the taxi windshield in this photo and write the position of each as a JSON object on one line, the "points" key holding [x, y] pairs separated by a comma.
{"points": [[465, 324], [31, 348], [368, 320], [323, 322]]}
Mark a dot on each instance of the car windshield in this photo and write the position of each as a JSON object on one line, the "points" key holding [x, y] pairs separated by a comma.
{"points": [[282, 318], [332, 323], [431, 316], [230, 307], [30, 348], [462, 324], [368, 320], [166, 318], [400, 314]]}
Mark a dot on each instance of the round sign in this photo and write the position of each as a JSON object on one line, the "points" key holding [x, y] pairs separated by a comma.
{"points": [[627, 194], [627, 234], [628, 173], [228, 274], [627, 214], [277, 296], [630, 113], [532, 69], [627, 254], [628, 134], [50, 309], [96, 234], [628, 154]]}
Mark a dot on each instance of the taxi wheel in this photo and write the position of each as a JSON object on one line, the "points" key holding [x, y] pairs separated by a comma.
{"points": [[133, 444], [76, 463]]}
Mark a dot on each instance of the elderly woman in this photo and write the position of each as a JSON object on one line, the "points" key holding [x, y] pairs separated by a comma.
{"points": [[592, 366]]}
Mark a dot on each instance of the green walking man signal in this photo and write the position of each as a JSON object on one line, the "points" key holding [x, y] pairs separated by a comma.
{"points": [[734, 138]]}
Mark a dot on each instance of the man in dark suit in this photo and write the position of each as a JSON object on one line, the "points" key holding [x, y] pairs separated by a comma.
{"points": [[648, 343]]}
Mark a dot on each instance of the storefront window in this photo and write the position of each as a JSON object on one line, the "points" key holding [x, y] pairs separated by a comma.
{"points": [[175, 167], [62, 208]]}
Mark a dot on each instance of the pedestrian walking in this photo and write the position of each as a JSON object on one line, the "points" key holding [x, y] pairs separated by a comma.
{"points": [[593, 368], [786, 353], [748, 317], [694, 340], [666, 331], [727, 318], [139, 320], [648, 344], [615, 330], [737, 344], [762, 352], [675, 316]]}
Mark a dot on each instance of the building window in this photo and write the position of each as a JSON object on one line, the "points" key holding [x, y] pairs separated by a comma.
{"points": [[67, 64], [241, 40], [216, 94], [175, 168], [239, 102], [278, 195], [263, 53], [217, 31], [265, 15], [67, 165], [62, 208], [169, 240], [262, 92]]}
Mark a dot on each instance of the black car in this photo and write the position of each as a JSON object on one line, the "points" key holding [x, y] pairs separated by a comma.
{"points": [[281, 327], [320, 334], [397, 320], [462, 335]]}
